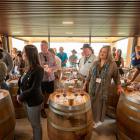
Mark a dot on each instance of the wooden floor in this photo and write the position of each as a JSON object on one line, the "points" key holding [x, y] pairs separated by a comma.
{"points": [[107, 131]]}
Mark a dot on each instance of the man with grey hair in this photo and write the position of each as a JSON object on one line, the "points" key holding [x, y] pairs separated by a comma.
{"points": [[48, 63]]}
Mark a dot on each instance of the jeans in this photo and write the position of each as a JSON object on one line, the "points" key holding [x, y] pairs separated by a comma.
{"points": [[34, 118]]}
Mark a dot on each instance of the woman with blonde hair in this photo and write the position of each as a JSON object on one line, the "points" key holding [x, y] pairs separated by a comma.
{"points": [[99, 78]]}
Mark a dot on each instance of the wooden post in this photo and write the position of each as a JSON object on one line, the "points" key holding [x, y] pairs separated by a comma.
{"points": [[49, 40], [10, 44], [5, 42], [90, 37], [138, 41], [129, 51]]}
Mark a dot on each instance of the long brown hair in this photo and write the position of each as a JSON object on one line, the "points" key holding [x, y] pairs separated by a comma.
{"points": [[32, 55], [109, 56]]}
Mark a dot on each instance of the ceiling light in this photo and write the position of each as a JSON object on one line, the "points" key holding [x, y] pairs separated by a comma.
{"points": [[16, 32], [121, 33], [67, 22]]}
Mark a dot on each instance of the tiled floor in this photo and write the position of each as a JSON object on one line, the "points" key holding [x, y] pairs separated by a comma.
{"points": [[107, 131]]}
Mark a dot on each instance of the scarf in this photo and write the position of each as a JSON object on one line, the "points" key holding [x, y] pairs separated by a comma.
{"points": [[102, 75]]}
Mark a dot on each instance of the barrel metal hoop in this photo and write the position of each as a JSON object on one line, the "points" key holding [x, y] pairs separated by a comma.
{"points": [[131, 117], [133, 100], [67, 113], [134, 119], [68, 129], [73, 108], [132, 108], [136, 101], [13, 85]]}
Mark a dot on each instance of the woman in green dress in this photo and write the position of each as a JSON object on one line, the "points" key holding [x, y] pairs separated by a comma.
{"points": [[99, 79]]}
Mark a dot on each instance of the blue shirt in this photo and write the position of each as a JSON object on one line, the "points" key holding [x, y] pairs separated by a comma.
{"points": [[63, 57], [134, 61]]}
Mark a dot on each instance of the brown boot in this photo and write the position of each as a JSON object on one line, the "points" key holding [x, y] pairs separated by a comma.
{"points": [[43, 113]]}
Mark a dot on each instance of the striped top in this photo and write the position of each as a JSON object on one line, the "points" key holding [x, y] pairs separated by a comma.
{"points": [[48, 59]]}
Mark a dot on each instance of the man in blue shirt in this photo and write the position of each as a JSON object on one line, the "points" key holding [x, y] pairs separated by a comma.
{"points": [[63, 56]]}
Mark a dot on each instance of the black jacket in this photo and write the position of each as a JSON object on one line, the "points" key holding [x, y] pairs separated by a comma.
{"points": [[30, 86]]}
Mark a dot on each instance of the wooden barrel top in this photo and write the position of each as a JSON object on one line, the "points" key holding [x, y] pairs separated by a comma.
{"points": [[3, 94], [71, 82], [59, 100], [12, 82]]}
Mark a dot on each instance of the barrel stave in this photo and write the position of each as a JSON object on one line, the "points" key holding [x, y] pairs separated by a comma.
{"points": [[128, 119], [7, 117], [112, 101], [20, 111]]}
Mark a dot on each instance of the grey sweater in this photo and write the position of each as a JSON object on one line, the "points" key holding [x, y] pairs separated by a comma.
{"points": [[3, 71], [7, 59]]}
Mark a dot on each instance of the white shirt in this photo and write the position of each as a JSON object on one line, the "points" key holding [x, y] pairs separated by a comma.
{"points": [[84, 67]]}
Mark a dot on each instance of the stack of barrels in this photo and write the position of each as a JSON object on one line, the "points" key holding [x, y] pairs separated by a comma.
{"points": [[7, 116]]}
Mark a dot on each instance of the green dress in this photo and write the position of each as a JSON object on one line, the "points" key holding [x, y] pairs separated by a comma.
{"points": [[99, 91]]}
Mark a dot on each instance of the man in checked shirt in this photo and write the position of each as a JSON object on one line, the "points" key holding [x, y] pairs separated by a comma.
{"points": [[48, 63]]}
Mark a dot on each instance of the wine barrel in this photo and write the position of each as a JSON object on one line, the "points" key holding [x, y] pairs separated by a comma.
{"points": [[112, 101], [128, 117], [69, 119], [7, 116], [19, 108]]}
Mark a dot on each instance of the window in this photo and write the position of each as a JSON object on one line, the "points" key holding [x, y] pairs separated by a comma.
{"points": [[123, 44], [18, 44]]}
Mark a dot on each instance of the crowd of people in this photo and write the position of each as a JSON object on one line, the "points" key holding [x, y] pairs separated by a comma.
{"points": [[39, 72]]}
